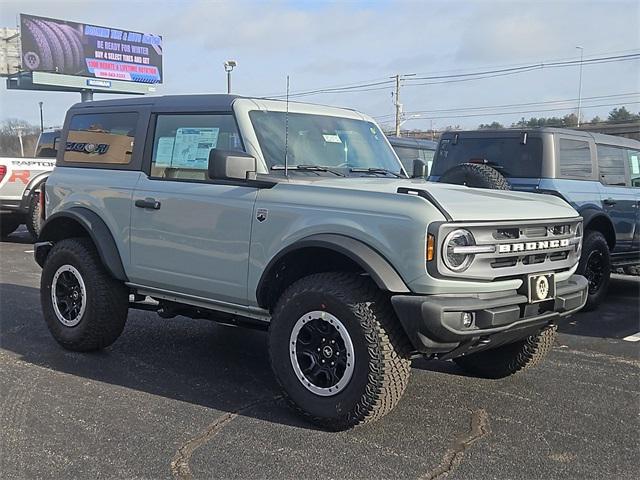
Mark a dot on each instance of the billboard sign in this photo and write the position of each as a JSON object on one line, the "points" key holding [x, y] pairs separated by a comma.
{"points": [[86, 50]]}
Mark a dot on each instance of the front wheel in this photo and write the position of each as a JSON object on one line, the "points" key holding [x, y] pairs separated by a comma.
{"points": [[84, 307], [509, 359], [338, 351], [595, 266]]}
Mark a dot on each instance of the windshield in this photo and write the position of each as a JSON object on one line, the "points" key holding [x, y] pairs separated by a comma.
{"points": [[325, 141], [507, 154]]}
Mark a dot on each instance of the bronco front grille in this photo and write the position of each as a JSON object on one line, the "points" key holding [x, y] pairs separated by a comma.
{"points": [[520, 248]]}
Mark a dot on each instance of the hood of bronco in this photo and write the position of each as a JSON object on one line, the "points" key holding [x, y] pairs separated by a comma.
{"points": [[464, 203]]}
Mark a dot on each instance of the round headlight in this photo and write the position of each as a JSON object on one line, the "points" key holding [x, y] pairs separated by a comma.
{"points": [[457, 261]]}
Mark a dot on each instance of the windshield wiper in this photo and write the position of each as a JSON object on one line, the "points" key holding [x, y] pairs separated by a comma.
{"points": [[375, 170], [309, 168]]}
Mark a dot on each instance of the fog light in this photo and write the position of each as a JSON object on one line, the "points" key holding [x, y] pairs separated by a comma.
{"points": [[467, 319]]}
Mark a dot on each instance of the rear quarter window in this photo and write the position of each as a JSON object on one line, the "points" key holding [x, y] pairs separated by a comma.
{"points": [[574, 159], [611, 164], [101, 138]]}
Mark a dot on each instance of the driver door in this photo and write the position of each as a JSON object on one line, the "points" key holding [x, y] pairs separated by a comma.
{"points": [[189, 234]]}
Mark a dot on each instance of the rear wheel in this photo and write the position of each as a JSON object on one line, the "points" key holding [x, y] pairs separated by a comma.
{"points": [[83, 306], [595, 266], [34, 219], [338, 351], [9, 222], [511, 358]]}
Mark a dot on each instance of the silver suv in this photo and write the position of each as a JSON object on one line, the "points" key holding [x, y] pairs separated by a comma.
{"points": [[300, 220]]}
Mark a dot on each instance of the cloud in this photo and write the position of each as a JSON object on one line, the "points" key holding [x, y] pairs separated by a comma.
{"points": [[325, 44], [522, 31]]}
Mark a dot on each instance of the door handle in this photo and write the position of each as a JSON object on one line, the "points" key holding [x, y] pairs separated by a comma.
{"points": [[609, 202], [151, 203]]}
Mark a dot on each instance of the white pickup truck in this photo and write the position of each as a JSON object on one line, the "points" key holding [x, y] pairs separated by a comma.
{"points": [[20, 181]]}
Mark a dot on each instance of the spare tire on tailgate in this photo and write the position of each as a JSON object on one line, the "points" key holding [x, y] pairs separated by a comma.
{"points": [[475, 175]]}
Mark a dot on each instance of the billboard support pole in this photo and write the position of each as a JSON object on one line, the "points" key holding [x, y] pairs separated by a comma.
{"points": [[86, 95]]}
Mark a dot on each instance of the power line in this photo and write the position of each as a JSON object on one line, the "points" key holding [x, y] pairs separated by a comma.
{"points": [[536, 65], [512, 105], [470, 76], [527, 62], [487, 114]]}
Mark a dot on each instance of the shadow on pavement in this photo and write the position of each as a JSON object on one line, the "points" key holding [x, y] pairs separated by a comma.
{"points": [[194, 361], [617, 317], [21, 235]]}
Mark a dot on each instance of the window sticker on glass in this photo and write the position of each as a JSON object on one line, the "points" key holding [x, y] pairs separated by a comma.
{"points": [[331, 138], [192, 146], [164, 152], [635, 165]]}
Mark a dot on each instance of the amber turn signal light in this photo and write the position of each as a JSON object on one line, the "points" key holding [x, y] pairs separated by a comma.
{"points": [[431, 247]]}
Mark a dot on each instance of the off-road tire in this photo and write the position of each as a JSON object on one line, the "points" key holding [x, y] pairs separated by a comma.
{"points": [[594, 243], [107, 299], [73, 37], [509, 359], [34, 220], [475, 175], [54, 45], [9, 223], [381, 349], [43, 53], [67, 52]]}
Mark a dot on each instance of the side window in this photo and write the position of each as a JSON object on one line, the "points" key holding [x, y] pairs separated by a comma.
{"points": [[427, 158], [634, 167], [101, 138], [407, 155], [182, 143], [574, 159], [611, 164]]}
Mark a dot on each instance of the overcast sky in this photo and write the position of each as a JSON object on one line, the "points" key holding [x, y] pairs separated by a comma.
{"points": [[322, 44]]}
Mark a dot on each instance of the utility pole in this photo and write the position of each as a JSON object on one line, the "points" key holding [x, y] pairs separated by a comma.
{"points": [[580, 86], [398, 105]]}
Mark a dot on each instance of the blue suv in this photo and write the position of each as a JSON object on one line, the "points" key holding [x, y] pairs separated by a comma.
{"points": [[599, 175]]}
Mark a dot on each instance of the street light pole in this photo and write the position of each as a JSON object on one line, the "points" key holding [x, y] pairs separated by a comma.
{"points": [[41, 118], [580, 86], [229, 65]]}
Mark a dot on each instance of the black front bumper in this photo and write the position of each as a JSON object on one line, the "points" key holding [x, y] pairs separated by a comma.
{"points": [[434, 324]]}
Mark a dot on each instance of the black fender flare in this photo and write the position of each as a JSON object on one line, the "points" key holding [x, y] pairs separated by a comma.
{"points": [[591, 214], [34, 183], [54, 229], [380, 270]]}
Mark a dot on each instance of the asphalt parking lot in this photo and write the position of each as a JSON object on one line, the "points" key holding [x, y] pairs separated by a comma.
{"points": [[191, 399]]}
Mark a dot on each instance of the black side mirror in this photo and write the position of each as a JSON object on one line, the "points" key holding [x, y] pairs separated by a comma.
{"points": [[419, 169], [230, 165]]}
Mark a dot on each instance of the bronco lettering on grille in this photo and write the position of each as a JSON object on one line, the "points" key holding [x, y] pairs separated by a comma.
{"points": [[532, 246]]}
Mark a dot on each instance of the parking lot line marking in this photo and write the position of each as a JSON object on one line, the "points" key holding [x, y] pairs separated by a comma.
{"points": [[28, 251], [633, 338]]}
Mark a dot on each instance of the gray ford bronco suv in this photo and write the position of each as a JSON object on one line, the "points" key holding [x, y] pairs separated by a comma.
{"points": [[298, 219]]}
